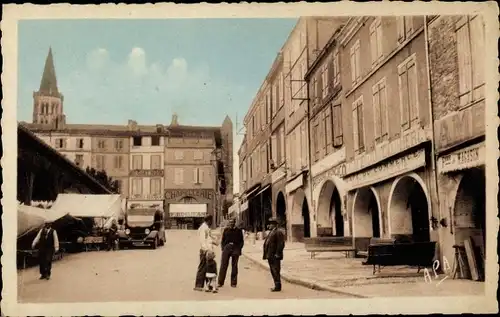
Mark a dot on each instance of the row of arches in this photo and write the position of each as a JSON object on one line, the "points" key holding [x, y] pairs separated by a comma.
{"points": [[407, 209]]}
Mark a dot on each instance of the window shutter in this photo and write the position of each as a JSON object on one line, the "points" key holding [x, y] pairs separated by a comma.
{"points": [[319, 89], [412, 90], [373, 42], [314, 91], [376, 111], [330, 73], [464, 64], [380, 39], [328, 127], [355, 127], [477, 45], [336, 66], [200, 175], [195, 175], [274, 149], [339, 135], [403, 97], [361, 127], [400, 20], [383, 109], [358, 60], [408, 25], [353, 65]]}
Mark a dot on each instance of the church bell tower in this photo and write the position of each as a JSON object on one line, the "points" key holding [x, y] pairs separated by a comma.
{"points": [[48, 101]]}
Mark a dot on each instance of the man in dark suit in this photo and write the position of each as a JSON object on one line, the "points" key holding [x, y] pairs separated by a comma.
{"points": [[48, 244], [273, 252], [232, 243]]}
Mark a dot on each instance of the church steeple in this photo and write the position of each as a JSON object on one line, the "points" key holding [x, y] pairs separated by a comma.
{"points": [[48, 101], [48, 84]]}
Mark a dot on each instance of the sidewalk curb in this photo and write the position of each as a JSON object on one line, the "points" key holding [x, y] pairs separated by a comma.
{"points": [[307, 283]]}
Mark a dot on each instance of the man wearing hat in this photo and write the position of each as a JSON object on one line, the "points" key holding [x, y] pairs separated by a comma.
{"points": [[48, 244], [273, 252]]}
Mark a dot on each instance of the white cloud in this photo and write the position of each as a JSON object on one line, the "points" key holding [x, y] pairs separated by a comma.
{"points": [[97, 58], [137, 61]]}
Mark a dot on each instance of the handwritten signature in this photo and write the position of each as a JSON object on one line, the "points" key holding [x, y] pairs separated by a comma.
{"points": [[446, 268]]}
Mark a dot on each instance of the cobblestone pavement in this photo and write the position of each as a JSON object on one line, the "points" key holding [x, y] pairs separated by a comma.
{"points": [[147, 275], [348, 276]]}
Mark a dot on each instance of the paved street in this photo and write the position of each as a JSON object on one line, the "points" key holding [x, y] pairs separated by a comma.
{"points": [[147, 275]]}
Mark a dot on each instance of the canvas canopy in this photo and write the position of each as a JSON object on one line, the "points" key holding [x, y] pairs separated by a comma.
{"points": [[89, 206], [32, 218]]}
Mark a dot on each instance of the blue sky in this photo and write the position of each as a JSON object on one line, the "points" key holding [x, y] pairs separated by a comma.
{"points": [[114, 70]]}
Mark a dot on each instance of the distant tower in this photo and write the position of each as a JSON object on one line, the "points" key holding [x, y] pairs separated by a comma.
{"points": [[227, 153], [175, 120], [47, 101]]}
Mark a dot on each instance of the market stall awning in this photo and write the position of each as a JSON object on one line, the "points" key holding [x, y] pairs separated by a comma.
{"points": [[91, 206], [188, 210], [31, 218]]}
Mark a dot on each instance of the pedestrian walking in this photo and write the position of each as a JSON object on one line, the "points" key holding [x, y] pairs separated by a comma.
{"points": [[48, 244], [273, 252], [231, 245], [206, 244], [111, 235]]}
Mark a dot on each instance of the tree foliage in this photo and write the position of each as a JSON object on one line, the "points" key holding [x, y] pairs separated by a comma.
{"points": [[103, 178]]}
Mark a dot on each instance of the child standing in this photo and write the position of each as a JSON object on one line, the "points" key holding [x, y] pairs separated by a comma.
{"points": [[211, 273]]}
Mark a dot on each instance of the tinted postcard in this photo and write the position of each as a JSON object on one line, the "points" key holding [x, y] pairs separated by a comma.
{"points": [[250, 159]]}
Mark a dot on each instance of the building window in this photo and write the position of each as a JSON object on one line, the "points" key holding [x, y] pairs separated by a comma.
{"points": [[118, 161], [118, 144], [100, 162], [405, 27], [179, 155], [328, 130], [407, 72], [198, 175], [155, 186], [470, 50], [79, 143], [137, 141], [101, 144], [274, 148], [137, 162], [338, 137], [79, 160], [379, 92], [198, 155], [155, 140], [336, 67], [315, 91], [324, 80], [282, 144], [358, 127], [355, 55], [136, 187], [178, 176], [281, 89], [60, 143], [376, 40], [155, 162]]}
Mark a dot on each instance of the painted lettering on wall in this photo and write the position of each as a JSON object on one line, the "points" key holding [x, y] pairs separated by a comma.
{"points": [[466, 158], [387, 170], [338, 171], [174, 193], [447, 270], [459, 127]]}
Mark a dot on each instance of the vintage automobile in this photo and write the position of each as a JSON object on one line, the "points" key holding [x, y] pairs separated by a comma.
{"points": [[142, 227]]}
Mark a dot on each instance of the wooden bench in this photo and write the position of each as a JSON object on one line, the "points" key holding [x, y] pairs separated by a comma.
{"points": [[420, 254], [364, 252], [329, 244]]}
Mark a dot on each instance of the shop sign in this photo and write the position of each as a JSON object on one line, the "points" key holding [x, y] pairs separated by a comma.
{"points": [[175, 193], [146, 197], [387, 170], [459, 127], [187, 214], [382, 152], [337, 171], [277, 175], [466, 158], [146, 173]]}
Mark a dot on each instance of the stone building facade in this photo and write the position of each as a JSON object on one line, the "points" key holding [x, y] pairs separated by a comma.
{"points": [[457, 75], [144, 159]]}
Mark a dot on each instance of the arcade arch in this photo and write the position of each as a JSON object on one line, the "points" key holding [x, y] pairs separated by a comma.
{"points": [[409, 208], [300, 214], [366, 213], [281, 209], [329, 214]]}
